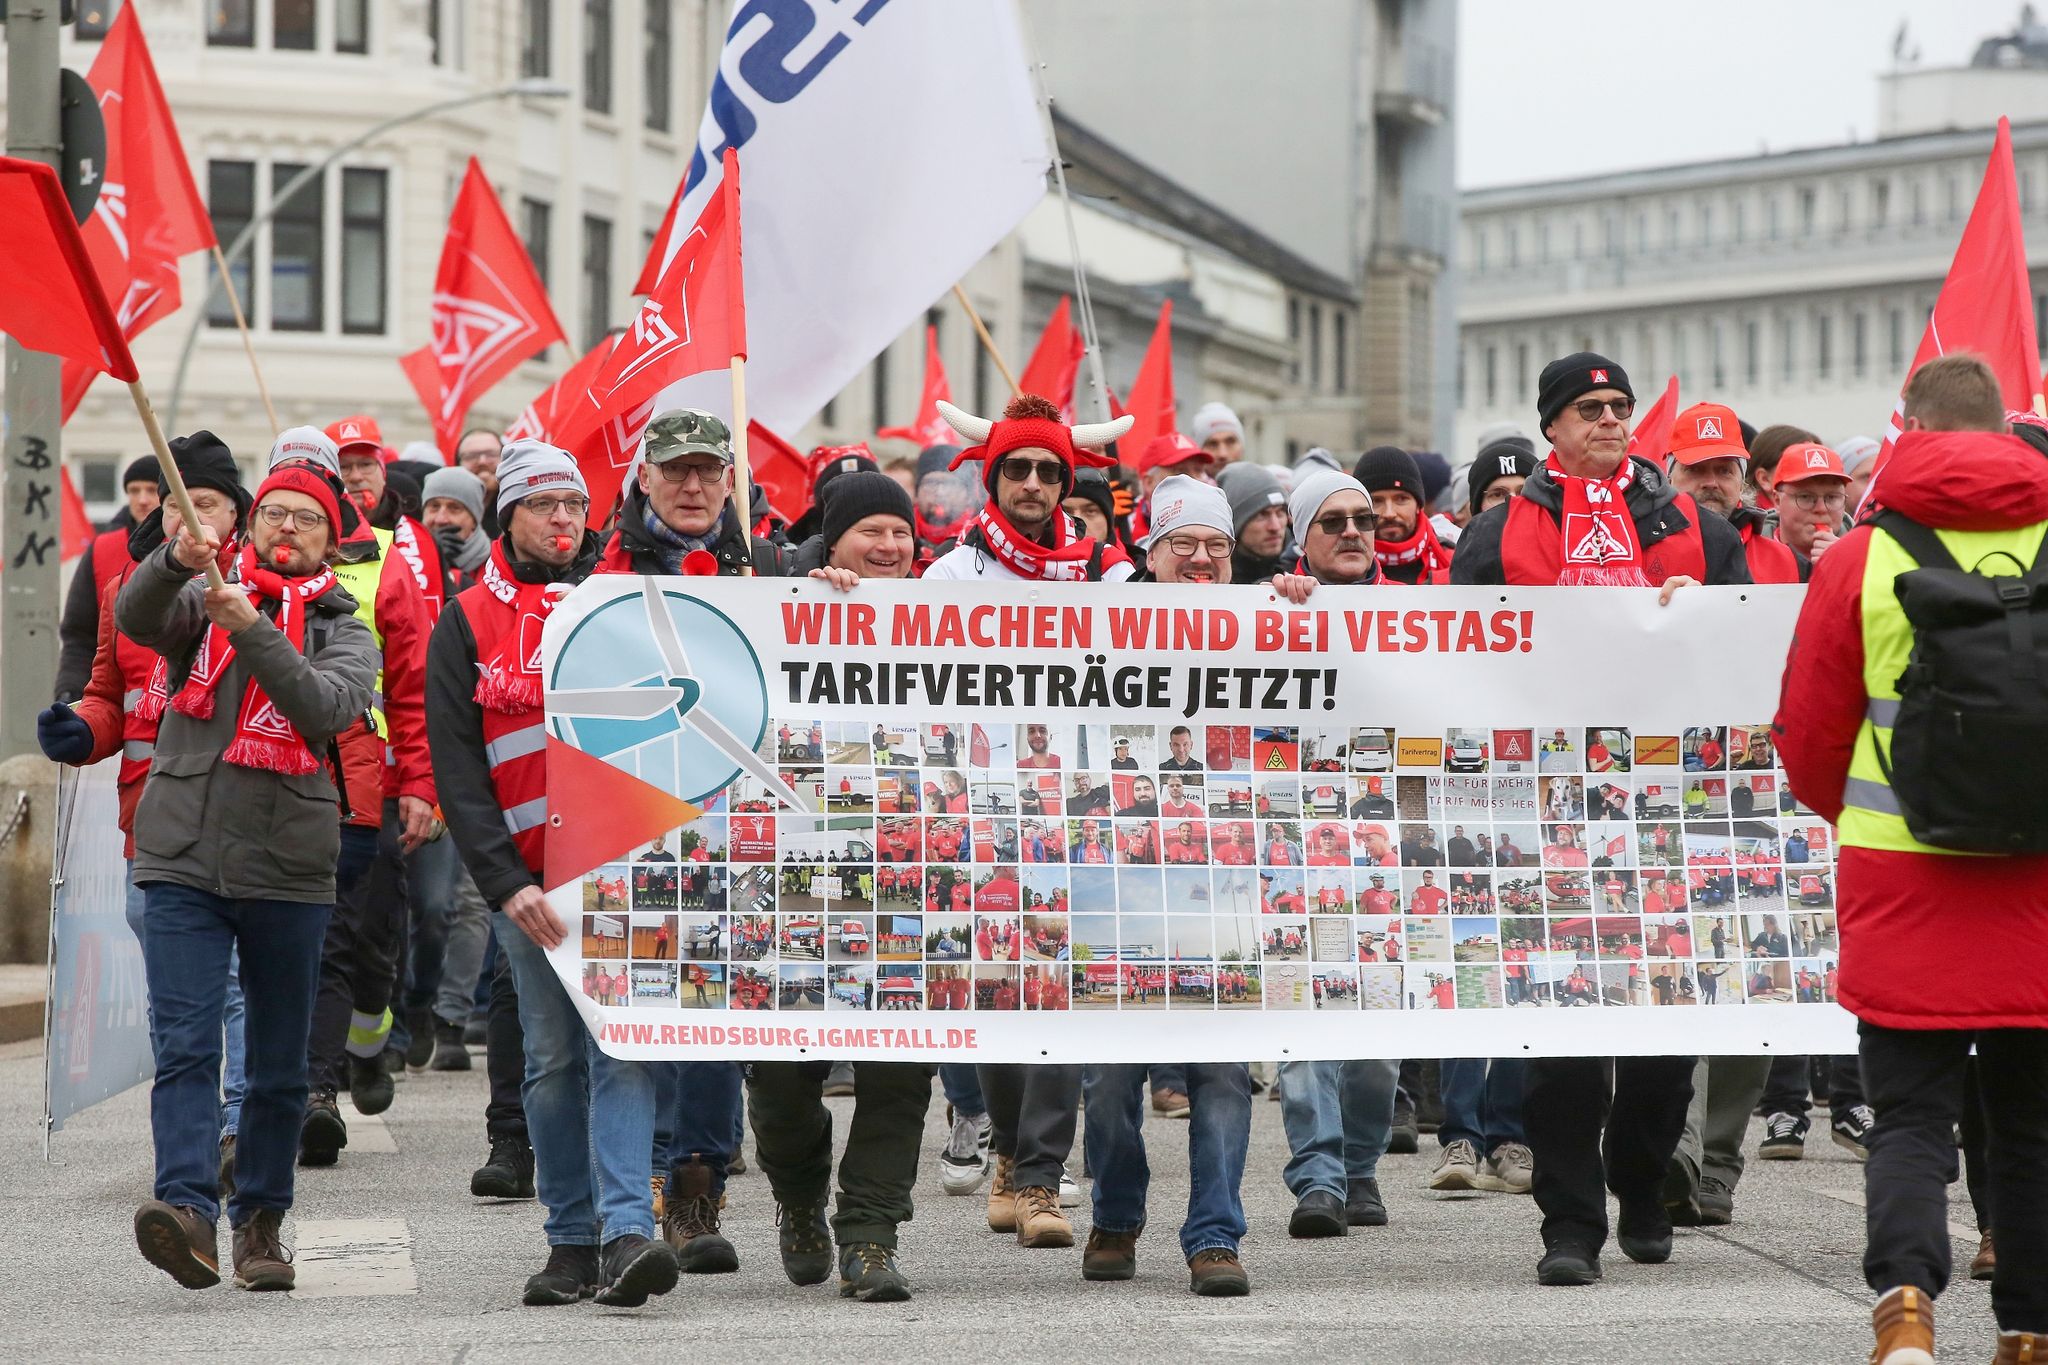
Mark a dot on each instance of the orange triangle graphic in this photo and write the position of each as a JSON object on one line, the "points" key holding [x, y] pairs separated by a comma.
{"points": [[598, 813]]}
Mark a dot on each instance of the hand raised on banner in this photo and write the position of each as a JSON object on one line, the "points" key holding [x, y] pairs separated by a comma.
{"points": [[1672, 585], [529, 909], [1295, 587], [842, 579]]}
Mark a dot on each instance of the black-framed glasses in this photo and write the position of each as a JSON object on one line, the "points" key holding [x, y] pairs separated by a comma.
{"points": [[1589, 409], [1335, 523], [301, 518], [1016, 469], [676, 472]]}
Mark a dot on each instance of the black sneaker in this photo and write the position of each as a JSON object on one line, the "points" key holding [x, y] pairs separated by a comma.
{"points": [[1568, 1263], [569, 1276], [322, 1134], [1404, 1138], [450, 1052], [370, 1087], [1643, 1231], [806, 1241], [419, 1043], [1716, 1201], [635, 1269], [508, 1173], [1363, 1207], [1851, 1130], [1784, 1138], [868, 1272], [1317, 1214], [226, 1177]]}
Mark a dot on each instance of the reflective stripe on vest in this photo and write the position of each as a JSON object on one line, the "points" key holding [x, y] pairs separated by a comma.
{"points": [[526, 815], [1871, 816], [137, 750], [518, 744], [361, 580]]}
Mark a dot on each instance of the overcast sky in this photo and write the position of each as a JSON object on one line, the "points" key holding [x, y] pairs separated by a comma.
{"points": [[1549, 89]]}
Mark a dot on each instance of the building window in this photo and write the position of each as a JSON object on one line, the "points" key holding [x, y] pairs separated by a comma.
{"points": [[1808, 210], [297, 286], [535, 225], [1521, 370], [1844, 209], [1514, 246], [597, 56], [1823, 346], [1315, 346], [1880, 202], [292, 23], [1578, 240], [1703, 222], [1895, 337], [1771, 217], [231, 203], [1479, 248], [364, 210], [981, 378], [352, 26], [1720, 353], [537, 39], [1951, 198], [597, 280], [1642, 232], [878, 389], [95, 17], [1681, 352], [1859, 344], [1464, 364], [657, 91], [1543, 242], [1741, 221], [1788, 348], [231, 23], [1340, 350], [1671, 228], [1751, 347], [2026, 183], [1294, 327], [1916, 202], [1492, 376]]}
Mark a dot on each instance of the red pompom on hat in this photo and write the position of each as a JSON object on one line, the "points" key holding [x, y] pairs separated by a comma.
{"points": [[1035, 423]]}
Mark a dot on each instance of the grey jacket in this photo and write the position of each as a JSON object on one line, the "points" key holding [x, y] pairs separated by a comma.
{"points": [[245, 833]]}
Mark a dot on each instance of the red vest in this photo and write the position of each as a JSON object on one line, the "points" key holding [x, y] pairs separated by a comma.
{"points": [[136, 663], [515, 747], [1532, 546], [109, 559], [1770, 561]]}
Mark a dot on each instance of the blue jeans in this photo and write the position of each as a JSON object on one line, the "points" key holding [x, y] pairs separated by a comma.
{"points": [[192, 935], [1482, 1101], [1169, 1078], [234, 1074], [1338, 1116], [1219, 1131], [590, 1117], [963, 1088], [698, 1116]]}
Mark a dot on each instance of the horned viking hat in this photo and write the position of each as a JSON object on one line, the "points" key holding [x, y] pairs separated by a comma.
{"points": [[1032, 421]]}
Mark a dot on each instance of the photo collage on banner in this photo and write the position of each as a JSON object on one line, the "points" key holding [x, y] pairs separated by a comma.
{"points": [[1085, 866]]}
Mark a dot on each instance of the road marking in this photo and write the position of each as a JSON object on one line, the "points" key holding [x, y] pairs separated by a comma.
{"points": [[343, 1257], [367, 1133], [1961, 1232]]}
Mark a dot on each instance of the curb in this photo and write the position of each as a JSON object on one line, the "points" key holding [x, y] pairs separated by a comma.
{"points": [[21, 1020]]}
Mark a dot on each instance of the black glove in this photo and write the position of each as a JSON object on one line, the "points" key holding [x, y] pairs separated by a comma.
{"points": [[64, 737], [451, 542]]}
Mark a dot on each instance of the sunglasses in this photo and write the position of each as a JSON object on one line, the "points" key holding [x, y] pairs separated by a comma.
{"points": [[1335, 523], [1049, 472], [1589, 409]]}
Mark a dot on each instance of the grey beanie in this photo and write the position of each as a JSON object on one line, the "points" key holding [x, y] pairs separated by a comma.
{"points": [[1251, 488], [1312, 490], [457, 485]]}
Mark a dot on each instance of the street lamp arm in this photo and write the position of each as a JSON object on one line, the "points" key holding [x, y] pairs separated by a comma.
{"points": [[284, 196]]}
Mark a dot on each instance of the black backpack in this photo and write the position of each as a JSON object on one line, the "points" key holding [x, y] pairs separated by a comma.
{"points": [[1965, 760]]}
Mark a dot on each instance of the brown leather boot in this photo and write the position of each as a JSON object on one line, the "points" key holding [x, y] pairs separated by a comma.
{"points": [[180, 1242], [1985, 1262], [1109, 1255], [1040, 1220], [2021, 1348], [1002, 1196], [1904, 1323], [1217, 1273], [261, 1262], [690, 1223]]}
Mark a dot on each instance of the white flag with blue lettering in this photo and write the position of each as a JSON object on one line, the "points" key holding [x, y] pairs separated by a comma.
{"points": [[885, 147]]}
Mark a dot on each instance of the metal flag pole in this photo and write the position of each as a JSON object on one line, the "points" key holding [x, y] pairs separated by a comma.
{"points": [[1090, 340]]}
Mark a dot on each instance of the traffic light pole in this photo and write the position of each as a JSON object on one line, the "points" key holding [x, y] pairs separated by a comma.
{"points": [[30, 581]]}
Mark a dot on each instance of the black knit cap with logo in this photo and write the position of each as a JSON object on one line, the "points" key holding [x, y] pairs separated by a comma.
{"points": [[1386, 469], [1572, 377]]}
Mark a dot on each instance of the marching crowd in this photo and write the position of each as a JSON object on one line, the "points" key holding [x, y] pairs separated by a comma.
{"points": [[333, 782]]}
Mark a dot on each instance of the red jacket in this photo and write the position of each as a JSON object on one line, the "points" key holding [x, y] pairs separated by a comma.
{"points": [[372, 775], [120, 672], [1929, 941], [1770, 561]]}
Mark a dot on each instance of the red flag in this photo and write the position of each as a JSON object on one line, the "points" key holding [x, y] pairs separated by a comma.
{"points": [[929, 429], [1652, 438], [74, 528], [50, 300], [1151, 395], [149, 212], [1056, 361], [694, 320], [490, 311], [542, 418], [1986, 304], [650, 269], [784, 475]]}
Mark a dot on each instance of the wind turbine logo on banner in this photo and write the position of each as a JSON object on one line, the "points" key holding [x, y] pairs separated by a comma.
{"points": [[666, 705]]}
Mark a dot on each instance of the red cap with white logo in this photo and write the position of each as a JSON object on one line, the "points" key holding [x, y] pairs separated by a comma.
{"points": [[1707, 431], [1808, 460]]}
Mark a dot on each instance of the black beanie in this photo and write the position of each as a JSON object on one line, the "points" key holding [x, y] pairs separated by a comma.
{"points": [[404, 488], [144, 469], [1571, 377], [206, 462], [1384, 469], [1093, 485], [935, 460], [1510, 455], [844, 464], [863, 493]]}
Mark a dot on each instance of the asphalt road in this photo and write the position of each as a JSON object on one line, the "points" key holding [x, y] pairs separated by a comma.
{"points": [[397, 1262]]}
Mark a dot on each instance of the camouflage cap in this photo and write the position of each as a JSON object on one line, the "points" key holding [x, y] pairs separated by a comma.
{"points": [[687, 431]]}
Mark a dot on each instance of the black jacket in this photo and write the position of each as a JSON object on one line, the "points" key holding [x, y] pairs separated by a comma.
{"points": [[645, 556], [1652, 504], [455, 734], [1246, 567]]}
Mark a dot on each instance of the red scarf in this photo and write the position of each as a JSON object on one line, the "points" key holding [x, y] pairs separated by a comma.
{"points": [[510, 684], [1066, 561], [1600, 543], [264, 738], [1422, 545]]}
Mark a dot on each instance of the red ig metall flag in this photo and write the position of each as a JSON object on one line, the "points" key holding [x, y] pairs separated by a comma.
{"points": [[490, 311], [694, 320], [1151, 400], [149, 213], [1056, 360], [928, 428], [1652, 438], [543, 418], [50, 298]]}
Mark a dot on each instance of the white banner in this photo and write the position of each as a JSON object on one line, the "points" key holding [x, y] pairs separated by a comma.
{"points": [[1007, 822], [885, 147]]}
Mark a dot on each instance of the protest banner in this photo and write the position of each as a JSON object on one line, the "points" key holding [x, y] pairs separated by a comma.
{"points": [[98, 1027], [1012, 822]]}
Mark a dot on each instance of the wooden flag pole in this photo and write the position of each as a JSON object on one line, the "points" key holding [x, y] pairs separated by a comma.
{"points": [[180, 499], [227, 283], [988, 342], [742, 470]]}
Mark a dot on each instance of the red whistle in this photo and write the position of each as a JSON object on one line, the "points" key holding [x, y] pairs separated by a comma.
{"points": [[563, 544], [281, 556]]}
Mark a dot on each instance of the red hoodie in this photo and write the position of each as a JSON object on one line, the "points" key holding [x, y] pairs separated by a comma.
{"points": [[1929, 941]]}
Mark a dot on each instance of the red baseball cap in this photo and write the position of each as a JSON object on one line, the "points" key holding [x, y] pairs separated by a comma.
{"points": [[1164, 452], [1809, 460], [360, 430], [1707, 431]]}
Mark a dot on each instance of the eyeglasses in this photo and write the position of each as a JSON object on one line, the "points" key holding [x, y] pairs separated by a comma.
{"points": [[1184, 547], [1049, 472], [684, 475], [545, 508], [1334, 523], [302, 519], [1807, 502], [1589, 409]]}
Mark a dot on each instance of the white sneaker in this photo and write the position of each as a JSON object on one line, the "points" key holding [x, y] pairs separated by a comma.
{"points": [[1070, 1192], [966, 1162]]}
